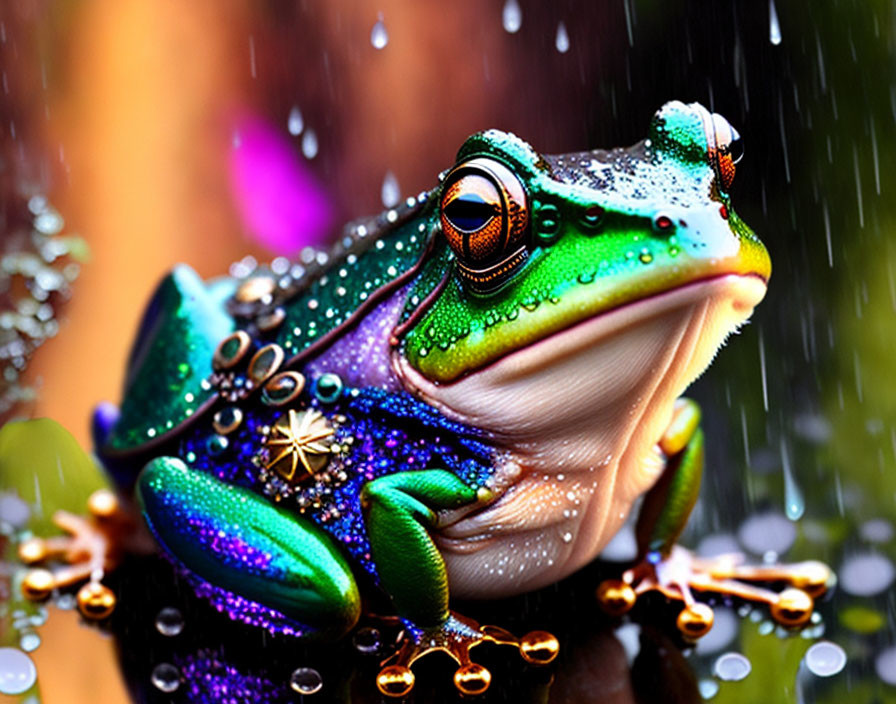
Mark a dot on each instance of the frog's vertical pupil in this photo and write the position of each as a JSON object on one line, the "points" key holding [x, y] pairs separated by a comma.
{"points": [[469, 212]]}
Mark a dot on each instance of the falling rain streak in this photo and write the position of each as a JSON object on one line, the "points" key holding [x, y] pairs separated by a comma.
{"points": [[762, 372]]}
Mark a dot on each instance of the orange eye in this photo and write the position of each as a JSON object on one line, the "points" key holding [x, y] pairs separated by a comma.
{"points": [[485, 219], [725, 147]]}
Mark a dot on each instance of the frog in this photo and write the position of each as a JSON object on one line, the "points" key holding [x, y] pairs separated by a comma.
{"points": [[464, 398]]}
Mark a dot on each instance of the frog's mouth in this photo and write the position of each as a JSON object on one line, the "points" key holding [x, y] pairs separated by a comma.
{"points": [[647, 350]]}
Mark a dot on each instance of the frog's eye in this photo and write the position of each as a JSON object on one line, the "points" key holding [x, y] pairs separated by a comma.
{"points": [[485, 218], [725, 147]]}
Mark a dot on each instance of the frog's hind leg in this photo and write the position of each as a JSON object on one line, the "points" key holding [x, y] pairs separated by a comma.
{"points": [[676, 573], [400, 510], [258, 562]]}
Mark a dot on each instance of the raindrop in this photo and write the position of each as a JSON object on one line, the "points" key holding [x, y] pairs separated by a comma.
{"points": [[49, 223], [877, 530], [13, 510], [390, 192], [866, 575], [629, 637], [794, 504], [708, 688], [309, 144], [379, 37], [66, 602], [29, 641], [166, 678], [774, 29], [767, 532], [622, 547], [512, 16], [885, 665], [306, 680], [169, 621], [367, 640], [724, 630], [717, 544], [732, 667], [294, 123], [825, 659], [562, 39], [17, 671]]}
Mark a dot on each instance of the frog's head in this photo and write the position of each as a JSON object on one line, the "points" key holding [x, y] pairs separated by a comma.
{"points": [[562, 284]]}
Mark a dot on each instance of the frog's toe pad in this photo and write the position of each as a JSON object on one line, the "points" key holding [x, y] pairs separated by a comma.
{"points": [[456, 636], [680, 574], [89, 549]]}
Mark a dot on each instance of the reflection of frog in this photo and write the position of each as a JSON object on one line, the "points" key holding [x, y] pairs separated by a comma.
{"points": [[469, 393]]}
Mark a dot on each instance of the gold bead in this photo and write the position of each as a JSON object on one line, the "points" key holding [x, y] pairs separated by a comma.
{"points": [[616, 597], [695, 621], [103, 504], [539, 647], [33, 550], [472, 679], [395, 680], [812, 577], [38, 584], [95, 601], [793, 608]]}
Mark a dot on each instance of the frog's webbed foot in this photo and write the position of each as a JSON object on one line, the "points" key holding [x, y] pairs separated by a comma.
{"points": [[680, 574], [456, 636], [91, 548]]}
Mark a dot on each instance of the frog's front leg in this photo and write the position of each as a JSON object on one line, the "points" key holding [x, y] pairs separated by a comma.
{"points": [[284, 572], [400, 510], [665, 567]]}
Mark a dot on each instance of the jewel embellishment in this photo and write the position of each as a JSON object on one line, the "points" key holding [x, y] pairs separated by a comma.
{"points": [[297, 440]]}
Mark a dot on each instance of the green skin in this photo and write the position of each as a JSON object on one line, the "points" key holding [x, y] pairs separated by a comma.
{"points": [[577, 271]]}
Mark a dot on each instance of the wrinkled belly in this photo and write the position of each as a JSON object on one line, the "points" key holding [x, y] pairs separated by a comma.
{"points": [[541, 530]]}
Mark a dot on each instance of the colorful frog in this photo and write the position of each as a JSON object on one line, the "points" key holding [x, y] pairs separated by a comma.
{"points": [[464, 398]]}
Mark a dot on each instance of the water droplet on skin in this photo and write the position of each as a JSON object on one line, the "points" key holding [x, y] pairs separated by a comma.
{"points": [[825, 659], [367, 640], [379, 37], [309, 144], [390, 192], [866, 574], [562, 39], [17, 671], [306, 680], [169, 622], [732, 667], [512, 16], [774, 29], [166, 678], [295, 124]]}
